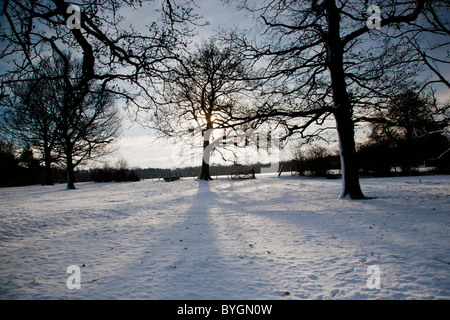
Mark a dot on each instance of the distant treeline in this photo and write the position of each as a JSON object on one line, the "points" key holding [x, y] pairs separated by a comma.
{"points": [[107, 174], [376, 159], [20, 168], [380, 158]]}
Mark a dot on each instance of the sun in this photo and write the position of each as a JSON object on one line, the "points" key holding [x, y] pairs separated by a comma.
{"points": [[204, 120]]}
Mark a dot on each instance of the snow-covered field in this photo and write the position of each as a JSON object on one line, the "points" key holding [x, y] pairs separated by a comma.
{"points": [[227, 239]]}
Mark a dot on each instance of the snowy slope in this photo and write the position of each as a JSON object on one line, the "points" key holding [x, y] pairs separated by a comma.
{"points": [[226, 239]]}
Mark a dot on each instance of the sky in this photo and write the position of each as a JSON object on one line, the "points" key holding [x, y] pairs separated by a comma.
{"points": [[138, 146]]}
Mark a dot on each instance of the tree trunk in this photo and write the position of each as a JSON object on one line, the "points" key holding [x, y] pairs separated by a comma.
{"points": [[48, 169], [204, 173], [349, 163], [70, 171], [342, 106]]}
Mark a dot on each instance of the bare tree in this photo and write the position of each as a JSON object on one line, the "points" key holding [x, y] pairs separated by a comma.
{"points": [[203, 93], [111, 50], [434, 54], [114, 57], [334, 59], [87, 118], [63, 119], [408, 118], [28, 116]]}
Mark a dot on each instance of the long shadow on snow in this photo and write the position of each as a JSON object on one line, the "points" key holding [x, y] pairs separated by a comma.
{"points": [[185, 260]]}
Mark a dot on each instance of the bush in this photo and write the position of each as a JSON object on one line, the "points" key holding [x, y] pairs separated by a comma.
{"points": [[133, 176], [108, 174], [21, 171], [376, 158], [104, 174], [317, 161]]}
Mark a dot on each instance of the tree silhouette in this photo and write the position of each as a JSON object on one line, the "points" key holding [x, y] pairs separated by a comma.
{"points": [[325, 60], [203, 93], [68, 123], [115, 57], [408, 117], [29, 116], [111, 51]]}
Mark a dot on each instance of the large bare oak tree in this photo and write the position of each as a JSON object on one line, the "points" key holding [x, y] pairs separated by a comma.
{"points": [[205, 91], [337, 59]]}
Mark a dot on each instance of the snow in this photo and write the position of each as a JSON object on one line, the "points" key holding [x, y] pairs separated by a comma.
{"points": [[265, 238]]}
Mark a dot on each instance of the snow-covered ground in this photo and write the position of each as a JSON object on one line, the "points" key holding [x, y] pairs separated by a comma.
{"points": [[227, 239]]}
